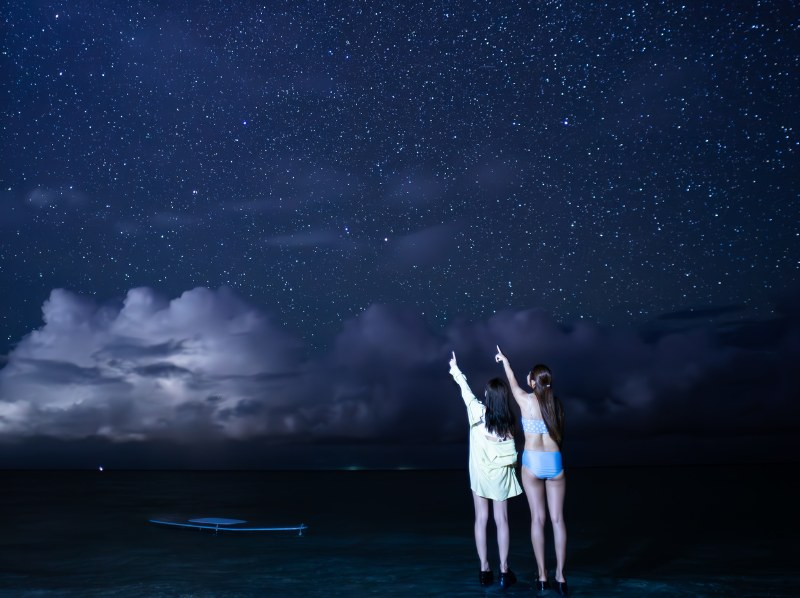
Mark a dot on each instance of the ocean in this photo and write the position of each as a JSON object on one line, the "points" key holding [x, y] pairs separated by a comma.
{"points": [[666, 531]]}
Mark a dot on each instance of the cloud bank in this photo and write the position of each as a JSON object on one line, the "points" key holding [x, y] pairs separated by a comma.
{"points": [[149, 369], [208, 367]]}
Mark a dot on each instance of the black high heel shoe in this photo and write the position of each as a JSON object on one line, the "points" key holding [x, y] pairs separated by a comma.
{"points": [[485, 578], [541, 586], [507, 579], [561, 588]]}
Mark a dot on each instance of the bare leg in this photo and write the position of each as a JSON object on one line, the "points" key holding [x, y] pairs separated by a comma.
{"points": [[535, 491], [556, 489], [481, 518], [501, 523]]}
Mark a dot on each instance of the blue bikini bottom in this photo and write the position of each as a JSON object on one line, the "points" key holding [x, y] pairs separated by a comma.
{"points": [[545, 465]]}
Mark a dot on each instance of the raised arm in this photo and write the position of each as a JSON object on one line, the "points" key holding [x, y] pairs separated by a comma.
{"points": [[518, 393], [474, 408]]}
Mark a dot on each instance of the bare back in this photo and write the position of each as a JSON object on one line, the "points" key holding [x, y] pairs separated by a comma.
{"points": [[529, 409]]}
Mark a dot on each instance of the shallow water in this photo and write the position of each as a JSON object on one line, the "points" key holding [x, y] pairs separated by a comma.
{"points": [[633, 532]]}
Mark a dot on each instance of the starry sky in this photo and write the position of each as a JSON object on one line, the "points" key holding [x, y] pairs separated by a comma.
{"points": [[245, 231]]}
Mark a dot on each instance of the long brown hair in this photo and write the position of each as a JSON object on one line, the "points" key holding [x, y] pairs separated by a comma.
{"points": [[549, 404], [500, 419]]}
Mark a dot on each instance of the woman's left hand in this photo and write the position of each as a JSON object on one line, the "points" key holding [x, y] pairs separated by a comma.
{"points": [[453, 361]]}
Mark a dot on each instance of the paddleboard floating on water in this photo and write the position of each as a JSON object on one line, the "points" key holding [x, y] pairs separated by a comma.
{"points": [[221, 524]]}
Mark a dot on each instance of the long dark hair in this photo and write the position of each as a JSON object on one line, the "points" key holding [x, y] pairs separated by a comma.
{"points": [[549, 404], [499, 418]]}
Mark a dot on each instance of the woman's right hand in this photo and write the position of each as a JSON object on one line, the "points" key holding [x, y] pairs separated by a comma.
{"points": [[500, 358], [453, 361]]}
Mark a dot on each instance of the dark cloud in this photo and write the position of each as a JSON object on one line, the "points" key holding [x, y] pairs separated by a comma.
{"points": [[133, 349], [162, 370], [207, 367], [703, 313], [53, 371]]}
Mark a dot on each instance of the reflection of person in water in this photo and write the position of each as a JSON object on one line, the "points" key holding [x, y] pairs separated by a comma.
{"points": [[492, 467], [542, 470]]}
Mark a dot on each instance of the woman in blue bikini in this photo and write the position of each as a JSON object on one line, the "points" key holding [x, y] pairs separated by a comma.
{"points": [[542, 470]]}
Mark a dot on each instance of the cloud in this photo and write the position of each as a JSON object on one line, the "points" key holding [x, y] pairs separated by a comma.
{"points": [[41, 207], [704, 313], [208, 367], [150, 368], [42, 197]]}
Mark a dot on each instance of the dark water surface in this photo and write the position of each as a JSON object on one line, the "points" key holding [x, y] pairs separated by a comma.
{"points": [[699, 531]]}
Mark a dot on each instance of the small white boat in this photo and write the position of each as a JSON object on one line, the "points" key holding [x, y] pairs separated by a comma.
{"points": [[221, 524]]}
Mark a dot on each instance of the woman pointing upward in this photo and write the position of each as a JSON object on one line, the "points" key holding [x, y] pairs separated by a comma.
{"points": [[542, 469], [492, 466]]}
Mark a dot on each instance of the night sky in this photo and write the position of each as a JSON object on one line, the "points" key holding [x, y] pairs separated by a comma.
{"points": [[240, 234]]}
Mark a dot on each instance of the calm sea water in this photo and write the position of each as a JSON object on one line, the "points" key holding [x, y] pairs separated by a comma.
{"points": [[720, 531]]}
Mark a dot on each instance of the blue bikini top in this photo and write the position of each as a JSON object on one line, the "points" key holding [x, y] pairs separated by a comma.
{"points": [[533, 426]]}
